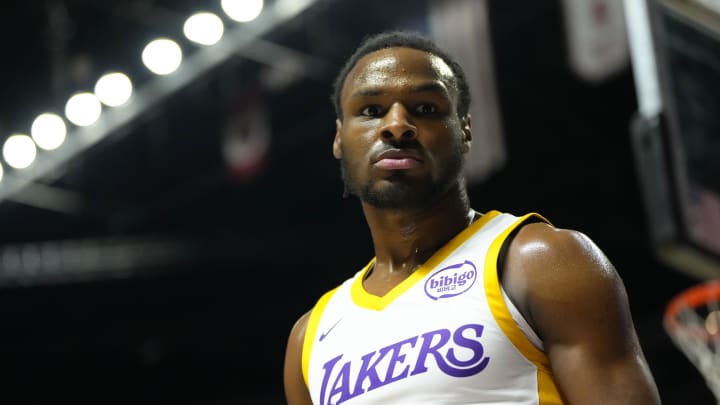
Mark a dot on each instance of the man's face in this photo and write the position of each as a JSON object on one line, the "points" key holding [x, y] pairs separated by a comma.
{"points": [[400, 142]]}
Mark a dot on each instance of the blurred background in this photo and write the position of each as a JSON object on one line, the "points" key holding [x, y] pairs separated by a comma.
{"points": [[169, 203]]}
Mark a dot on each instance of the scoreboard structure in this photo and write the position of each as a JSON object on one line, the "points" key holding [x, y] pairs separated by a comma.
{"points": [[675, 50]]}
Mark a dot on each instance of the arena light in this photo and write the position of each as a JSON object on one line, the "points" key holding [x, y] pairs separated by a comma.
{"points": [[162, 56], [204, 28], [114, 89], [83, 109], [1, 172], [242, 10], [19, 151], [291, 7], [48, 130]]}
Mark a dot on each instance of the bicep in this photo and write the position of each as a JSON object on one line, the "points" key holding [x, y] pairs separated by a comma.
{"points": [[593, 348], [578, 304], [296, 392]]}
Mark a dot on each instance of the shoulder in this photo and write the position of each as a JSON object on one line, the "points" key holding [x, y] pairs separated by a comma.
{"points": [[542, 248], [549, 269], [300, 327], [293, 379], [296, 340], [297, 333], [576, 301]]}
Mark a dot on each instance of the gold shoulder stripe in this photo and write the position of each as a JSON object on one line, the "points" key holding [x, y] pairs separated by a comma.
{"points": [[497, 304], [547, 390], [311, 330]]}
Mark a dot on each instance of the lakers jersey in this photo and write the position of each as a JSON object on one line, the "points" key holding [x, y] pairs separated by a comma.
{"points": [[445, 335]]}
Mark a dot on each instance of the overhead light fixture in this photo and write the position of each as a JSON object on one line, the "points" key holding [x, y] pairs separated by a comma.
{"points": [[1, 172], [83, 109], [48, 130], [19, 151], [242, 10], [204, 28], [290, 7], [114, 89], [162, 56]]}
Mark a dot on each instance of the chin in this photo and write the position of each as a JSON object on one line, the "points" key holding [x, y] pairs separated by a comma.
{"points": [[397, 194]]}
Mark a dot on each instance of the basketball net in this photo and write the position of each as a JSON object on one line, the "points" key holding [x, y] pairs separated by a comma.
{"points": [[692, 320]]}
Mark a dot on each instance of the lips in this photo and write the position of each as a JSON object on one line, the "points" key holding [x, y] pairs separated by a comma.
{"points": [[398, 159]]}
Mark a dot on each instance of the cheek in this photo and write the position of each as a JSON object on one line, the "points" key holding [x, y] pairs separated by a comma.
{"points": [[354, 155], [356, 142], [445, 149], [447, 137]]}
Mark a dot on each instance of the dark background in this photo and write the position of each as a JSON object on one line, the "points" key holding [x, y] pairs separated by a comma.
{"points": [[241, 257]]}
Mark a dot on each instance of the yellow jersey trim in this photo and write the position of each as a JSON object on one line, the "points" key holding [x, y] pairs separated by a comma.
{"points": [[547, 390], [366, 300], [311, 330]]}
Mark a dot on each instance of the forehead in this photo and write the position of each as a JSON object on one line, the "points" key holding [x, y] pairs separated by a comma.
{"points": [[395, 67]]}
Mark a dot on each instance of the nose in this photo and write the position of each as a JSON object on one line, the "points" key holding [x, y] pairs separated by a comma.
{"points": [[397, 124]]}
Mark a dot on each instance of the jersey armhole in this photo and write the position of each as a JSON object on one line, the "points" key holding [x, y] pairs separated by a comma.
{"points": [[501, 306], [516, 314], [521, 322]]}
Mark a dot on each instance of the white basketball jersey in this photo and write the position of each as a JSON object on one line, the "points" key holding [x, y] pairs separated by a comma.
{"points": [[445, 335]]}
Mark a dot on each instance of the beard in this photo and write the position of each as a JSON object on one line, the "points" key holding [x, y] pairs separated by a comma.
{"points": [[405, 191]]}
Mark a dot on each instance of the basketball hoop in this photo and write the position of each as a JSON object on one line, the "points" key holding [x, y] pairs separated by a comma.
{"points": [[692, 319]]}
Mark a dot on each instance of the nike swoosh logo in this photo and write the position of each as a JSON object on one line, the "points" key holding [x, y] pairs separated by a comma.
{"points": [[324, 335]]}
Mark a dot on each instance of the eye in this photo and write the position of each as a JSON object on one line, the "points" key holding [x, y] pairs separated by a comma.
{"points": [[426, 109], [371, 111]]}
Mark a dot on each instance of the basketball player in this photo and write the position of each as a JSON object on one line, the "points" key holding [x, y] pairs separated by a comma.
{"points": [[457, 306]]}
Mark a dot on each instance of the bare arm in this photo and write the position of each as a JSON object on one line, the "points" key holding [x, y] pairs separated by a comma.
{"points": [[296, 392], [573, 296]]}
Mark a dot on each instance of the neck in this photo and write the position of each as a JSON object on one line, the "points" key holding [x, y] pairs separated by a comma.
{"points": [[405, 238]]}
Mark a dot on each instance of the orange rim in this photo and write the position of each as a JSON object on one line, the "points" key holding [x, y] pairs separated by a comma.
{"points": [[691, 298]]}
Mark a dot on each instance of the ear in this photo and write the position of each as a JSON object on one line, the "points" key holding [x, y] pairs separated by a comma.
{"points": [[465, 125], [337, 143]]}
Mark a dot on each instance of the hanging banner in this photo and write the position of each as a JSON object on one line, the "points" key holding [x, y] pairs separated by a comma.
{"points": [[246, 136], [596, 37]]}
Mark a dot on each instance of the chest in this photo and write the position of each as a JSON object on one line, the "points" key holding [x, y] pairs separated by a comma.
{"points": [[439, 339]]}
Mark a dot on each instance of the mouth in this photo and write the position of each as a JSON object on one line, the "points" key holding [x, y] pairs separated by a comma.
{"points": [[398, 159]]}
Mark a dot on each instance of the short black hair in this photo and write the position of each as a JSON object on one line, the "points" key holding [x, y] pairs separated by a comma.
{"points": [[402, 39]]}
